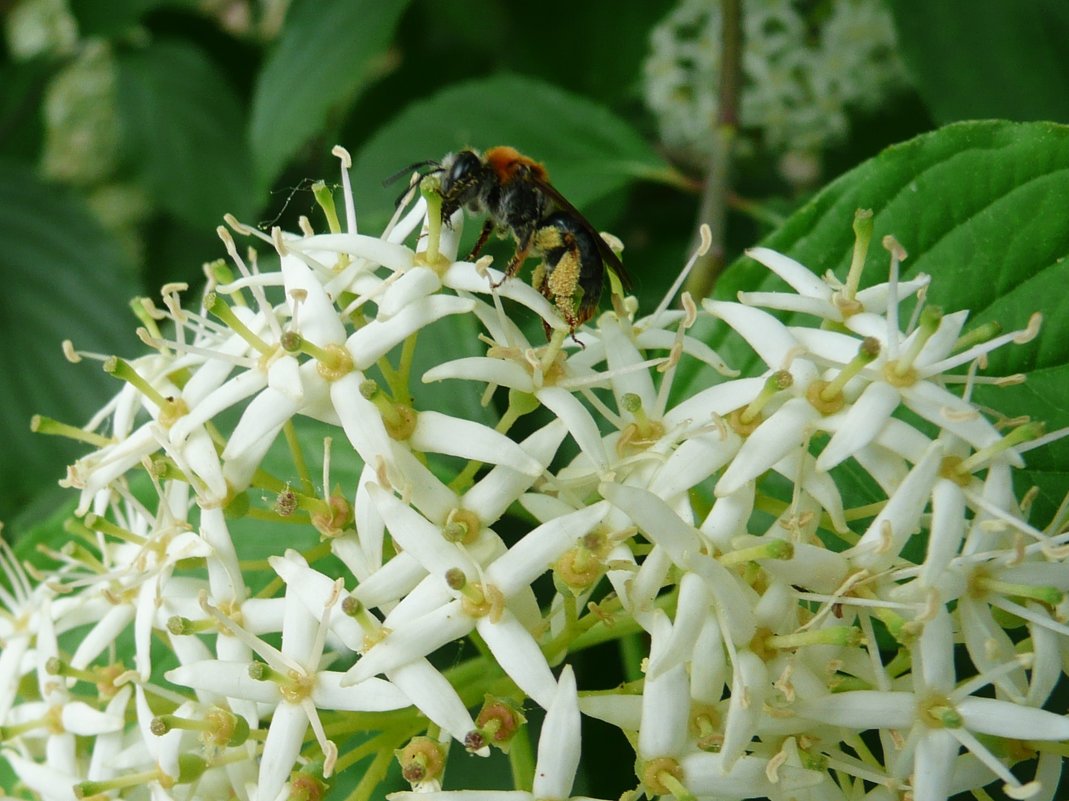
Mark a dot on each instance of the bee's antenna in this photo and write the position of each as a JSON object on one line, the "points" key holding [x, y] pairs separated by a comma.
{"points": [[417, 165]]}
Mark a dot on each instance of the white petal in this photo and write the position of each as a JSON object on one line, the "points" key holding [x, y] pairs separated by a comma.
{"points": [[422, 488], [946, 531], [429, 594], [48, 780], [369, 695], [765, 334], [799, 467], [519, 656], [621, 711], [229, 679], [862, 709], [946, 410], [934, 655], [463, 276], [284, 377], [729, 516], [709, 775], [200, 457], [990, 647], [665, 699], [372, 248], [707, 673], [749, 686], [316, 314], [800, 278], [656, 519], [559, 743], [692, 609], [241, 386], [875, 298], [378, 337], [497, 490], [281, 748], [418, 536], [692, 462], [719, 400], [771, 441], [441, 433], [941, 343], [899, 519], [536, 552], [503, 372], [887, 468], [621, 353], [144, 618], [786, 301], [260, 421], [434, 696], [933, 765], [225, 578], [863, 422], [411, 286], [813, 567], [1046, 669], [580, 423], [360, 419], [660, 339], [102, 635], [81, 719], [391, 581], [1014, 721], [415, 640], [463, 795]]}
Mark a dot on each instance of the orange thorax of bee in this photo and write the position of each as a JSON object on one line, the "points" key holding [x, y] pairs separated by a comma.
{"points": [[507, 163]]}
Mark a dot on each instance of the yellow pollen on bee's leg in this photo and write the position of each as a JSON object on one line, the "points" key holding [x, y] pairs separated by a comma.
{"points": [[563, 285]]}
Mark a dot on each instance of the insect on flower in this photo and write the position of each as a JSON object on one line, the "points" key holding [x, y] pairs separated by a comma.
{"points": [[515, 194]]}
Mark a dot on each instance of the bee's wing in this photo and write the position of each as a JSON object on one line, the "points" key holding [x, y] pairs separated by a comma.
{"points": [[611, 259]]}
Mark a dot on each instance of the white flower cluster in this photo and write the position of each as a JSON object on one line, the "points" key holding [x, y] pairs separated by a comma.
{"points": [[799, 77], [789, 646]]}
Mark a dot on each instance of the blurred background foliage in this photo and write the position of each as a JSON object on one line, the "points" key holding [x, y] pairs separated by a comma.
{"points": [[129, 127]]}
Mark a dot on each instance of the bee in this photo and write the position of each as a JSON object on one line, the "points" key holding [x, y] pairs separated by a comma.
{"points": [[514, 193]]}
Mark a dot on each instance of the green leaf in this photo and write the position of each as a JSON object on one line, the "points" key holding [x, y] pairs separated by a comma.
{"points": [[589, 152], [115, 17], [21, 120], [981, 207], [70, 280], [978, 59], [183, 126], [328, 52]]}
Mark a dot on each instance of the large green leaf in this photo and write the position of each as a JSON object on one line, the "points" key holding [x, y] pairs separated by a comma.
{"points": [[981, 207], [978, 59], [183, 128], [329, 51], [589, 152], [65, 278]]}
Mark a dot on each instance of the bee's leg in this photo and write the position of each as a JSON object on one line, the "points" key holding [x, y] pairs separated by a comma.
{"points": [[488, 226], [522, 250]]}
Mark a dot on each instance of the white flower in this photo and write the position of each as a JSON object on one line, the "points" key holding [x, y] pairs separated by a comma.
{"points": [[294, 683], [940, 718]]}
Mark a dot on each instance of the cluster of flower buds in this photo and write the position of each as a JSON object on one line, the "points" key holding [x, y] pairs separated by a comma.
{"points": [[821, 580], [804, 69]]}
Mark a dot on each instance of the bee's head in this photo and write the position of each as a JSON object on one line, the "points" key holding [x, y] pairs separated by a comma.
{"points": [[463, 175]]}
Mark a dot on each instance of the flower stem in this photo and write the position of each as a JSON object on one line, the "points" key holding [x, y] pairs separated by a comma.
{"points": [[713, 211], [521, 761]]}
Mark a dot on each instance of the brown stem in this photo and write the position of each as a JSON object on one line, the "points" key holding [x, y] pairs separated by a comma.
{"points": [[713, 209]]}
